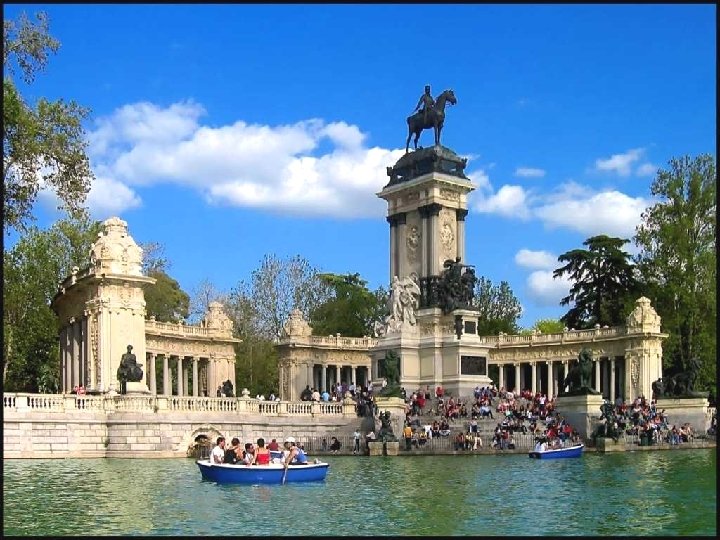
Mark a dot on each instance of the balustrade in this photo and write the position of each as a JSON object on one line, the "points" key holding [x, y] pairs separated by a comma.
{"points": [[51, 403]]}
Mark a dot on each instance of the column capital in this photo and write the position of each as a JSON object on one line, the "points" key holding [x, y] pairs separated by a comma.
{"points": [[461, 213], [432, 209], [397, 219]]}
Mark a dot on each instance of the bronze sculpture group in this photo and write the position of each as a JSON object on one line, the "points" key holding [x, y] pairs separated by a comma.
{"points": [[681, 384], [579, 377]]}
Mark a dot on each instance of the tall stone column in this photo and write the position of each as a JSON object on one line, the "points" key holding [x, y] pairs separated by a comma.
{"points": [[323, 380], [393, 246], [565, 373], [63, 360], [180, 376], [84, 379], [501, 376], [186, 379], [401, 244], [424, 242], [533, 365], [612, 381], [354, 376], [550, 380], [460, 247], [151, 373], [597, 375], [167, 390], [337, 374], [518, 382], [196, 380], [310, 378]]}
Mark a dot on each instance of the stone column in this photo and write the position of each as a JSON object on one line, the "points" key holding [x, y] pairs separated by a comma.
{"points": [[196, 380], [180, 388], [565, 373], [612, 381], [401, 245], [461, 213], [424, 242], [323, 378], [310, 378], [75, 354], [501, 376], [597, 375], [518, 382], [151, 373], [533, 365], [167, 390], [84, 379], [186, 379], [337, 374], [63, 360], [550, 380], [434, 263], [393, 246], [354, 375]]}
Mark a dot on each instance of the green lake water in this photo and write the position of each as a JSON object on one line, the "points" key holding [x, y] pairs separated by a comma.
{"points": [[639, 493]]}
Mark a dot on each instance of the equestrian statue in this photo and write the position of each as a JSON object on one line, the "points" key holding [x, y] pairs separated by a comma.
{"points": [[430, 115]]}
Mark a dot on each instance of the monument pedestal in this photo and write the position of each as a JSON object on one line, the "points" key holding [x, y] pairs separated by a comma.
{"points": [[392, 448], [607, 444], [138, 388], [693, 410], [582, 412], [375, 448], [396, 407]]}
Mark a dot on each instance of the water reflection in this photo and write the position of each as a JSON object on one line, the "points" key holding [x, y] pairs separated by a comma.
{"points": [[627, 494]]}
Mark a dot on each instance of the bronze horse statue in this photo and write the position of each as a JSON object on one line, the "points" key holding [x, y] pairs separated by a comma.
{"points": [[435, 119]]}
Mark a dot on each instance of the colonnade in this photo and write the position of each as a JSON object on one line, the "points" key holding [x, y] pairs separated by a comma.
{"points": [[547, 376], [193, 376], [325, 376]]}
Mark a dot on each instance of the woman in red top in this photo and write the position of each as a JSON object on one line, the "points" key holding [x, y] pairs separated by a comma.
{"points": [[262, 454]]}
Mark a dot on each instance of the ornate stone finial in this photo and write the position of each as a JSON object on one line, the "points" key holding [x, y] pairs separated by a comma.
{"points": [[644, 318], [115, 251], [216, 318], [296, 325]]}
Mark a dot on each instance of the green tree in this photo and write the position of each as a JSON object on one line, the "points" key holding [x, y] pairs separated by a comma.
{"points": [[44, 144], [499, 307], [352, 308], [165, 300], [549, 326], [200, 298], [32, 270], [604, 283], [677, 258]]}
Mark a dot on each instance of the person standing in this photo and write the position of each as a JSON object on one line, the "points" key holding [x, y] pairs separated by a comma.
{"points": [[356, 442]]}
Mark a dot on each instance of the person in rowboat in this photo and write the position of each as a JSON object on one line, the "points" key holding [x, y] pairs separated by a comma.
{"points": [[296, 455], [262, 454]]}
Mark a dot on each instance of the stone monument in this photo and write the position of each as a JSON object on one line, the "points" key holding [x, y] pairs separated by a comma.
{"points": [[431, 324], [580, 402], [682, 402]]}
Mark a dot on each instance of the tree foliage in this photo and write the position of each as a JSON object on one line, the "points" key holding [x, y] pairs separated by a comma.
{"points": [[351, 309], [200, 298], [43, 144], [499, 307], [165, 300], [604, 283], [32, 270], [677, 258]]}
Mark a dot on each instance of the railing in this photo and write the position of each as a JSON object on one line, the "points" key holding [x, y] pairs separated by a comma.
{"points": [[569, 336], [174, 328], [59, 403]]}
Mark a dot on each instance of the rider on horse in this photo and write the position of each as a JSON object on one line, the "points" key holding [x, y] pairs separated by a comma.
{"points": [[427, 102]]}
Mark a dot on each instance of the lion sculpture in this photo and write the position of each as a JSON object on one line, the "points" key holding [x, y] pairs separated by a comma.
{"points": [[579, 377]]}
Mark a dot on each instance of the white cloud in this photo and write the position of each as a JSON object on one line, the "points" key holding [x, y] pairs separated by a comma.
{"points": [[529, 172], [273, 167], [545, 290], [620, 163], [509, 201], [109, 198], [536, 259], [609, 212], [646, 169]]}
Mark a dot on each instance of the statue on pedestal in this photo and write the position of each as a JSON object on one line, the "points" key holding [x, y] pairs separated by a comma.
{"points": [[129, 370], [432, 116], [681, 384], [456, 288], [386, 434], [579, 378], [390, 369]]}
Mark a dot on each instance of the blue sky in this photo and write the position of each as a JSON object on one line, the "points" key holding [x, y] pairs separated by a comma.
{"points": [[225, 132]]}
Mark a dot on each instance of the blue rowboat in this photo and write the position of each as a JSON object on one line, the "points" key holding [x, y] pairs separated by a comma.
{"points": [[559, 453], [224, 473]]}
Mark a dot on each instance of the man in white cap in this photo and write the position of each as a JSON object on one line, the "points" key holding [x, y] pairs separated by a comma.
{"points": [[295, 455]]}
